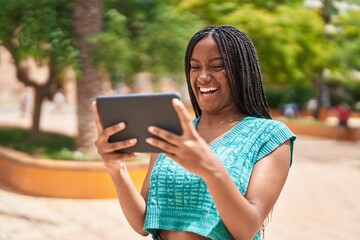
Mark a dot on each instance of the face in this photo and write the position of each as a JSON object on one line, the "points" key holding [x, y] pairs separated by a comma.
{"points": [[208, 78]]}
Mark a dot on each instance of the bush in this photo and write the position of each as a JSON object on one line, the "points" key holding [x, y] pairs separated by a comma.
{"points": [[46, 145], [294, 94]]}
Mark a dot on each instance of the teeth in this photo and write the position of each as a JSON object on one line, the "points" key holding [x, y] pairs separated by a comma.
{"points": [[207, 89]]}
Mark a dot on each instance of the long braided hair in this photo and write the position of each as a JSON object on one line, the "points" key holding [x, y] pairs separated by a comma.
{"points": [[241, 66]]}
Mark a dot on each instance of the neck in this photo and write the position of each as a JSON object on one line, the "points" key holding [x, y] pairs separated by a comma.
{"points": [[221, 119]]}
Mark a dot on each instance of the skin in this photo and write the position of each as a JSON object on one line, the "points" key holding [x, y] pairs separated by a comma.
{"points": [[242, 215]]}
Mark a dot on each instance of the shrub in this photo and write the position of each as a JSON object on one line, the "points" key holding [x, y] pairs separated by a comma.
{"points": [[47, 145]]}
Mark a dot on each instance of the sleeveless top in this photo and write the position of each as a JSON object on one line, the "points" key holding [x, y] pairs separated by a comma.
{"points": [[179, 200]]}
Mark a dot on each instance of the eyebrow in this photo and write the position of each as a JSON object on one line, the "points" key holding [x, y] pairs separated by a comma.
{"points": [[211, 60]]}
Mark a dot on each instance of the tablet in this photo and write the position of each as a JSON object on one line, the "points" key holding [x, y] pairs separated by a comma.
{"points": [[139, 111]]}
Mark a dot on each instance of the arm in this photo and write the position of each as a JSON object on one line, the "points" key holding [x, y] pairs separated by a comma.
{"points": [[132, 203], [249, 212]]}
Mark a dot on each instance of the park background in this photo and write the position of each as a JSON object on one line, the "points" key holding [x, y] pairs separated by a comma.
{"points": [[57, 56]]}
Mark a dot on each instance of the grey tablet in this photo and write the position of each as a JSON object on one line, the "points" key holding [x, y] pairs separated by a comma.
{"points": [[139, 111]]}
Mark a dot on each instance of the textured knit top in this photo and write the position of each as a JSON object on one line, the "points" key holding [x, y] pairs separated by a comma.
{"points": [[179, 200]]}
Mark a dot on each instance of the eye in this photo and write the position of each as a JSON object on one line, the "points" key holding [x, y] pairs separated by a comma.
{"points": [[194, 67], [219, 67]]}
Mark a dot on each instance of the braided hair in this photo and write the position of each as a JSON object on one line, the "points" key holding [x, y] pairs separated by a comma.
{"points": [[241, 66]]}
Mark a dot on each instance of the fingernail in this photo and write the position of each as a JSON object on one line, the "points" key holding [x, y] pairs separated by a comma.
{"points": [[148, 140], [176, 101], [121, 125], [151, 129], [132, 141]]}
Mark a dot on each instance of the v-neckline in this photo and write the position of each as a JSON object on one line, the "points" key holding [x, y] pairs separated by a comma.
{"points": [[228, 134]]}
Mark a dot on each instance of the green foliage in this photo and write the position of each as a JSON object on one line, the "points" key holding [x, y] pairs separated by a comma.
{"points": [[151, 35], [144, 36], [46, 145], [272, 5], [162, 43], [346, 86], [41, 30], [113, 50], [300, 95], [214, 11], [275, 96], [289, 42], [354, 87], [345, 57], [348, 40], [340, 95], [357, 106], [211, 11]]}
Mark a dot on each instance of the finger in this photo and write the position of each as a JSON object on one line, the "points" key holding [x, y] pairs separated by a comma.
{"points": [[167, 147], [123, 144], [114, 129], [111, 147], [166, 135], [115, 157], [97, 118], [184, 116]]}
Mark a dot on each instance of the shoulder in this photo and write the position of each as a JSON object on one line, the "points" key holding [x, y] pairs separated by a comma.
{"points": [[267, 126], [270, 135], [270, 132]]}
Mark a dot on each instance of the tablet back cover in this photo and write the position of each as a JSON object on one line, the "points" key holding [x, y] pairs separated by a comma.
{"points": [[139, 111]]}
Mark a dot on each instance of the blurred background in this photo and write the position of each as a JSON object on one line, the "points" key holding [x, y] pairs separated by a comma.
{"points": [[57, 56]]}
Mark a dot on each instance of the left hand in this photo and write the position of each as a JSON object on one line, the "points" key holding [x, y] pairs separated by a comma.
{"points": [[189, 150]]}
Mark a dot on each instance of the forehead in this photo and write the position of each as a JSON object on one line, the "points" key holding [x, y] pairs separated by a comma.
{"points": [[206, 46]]}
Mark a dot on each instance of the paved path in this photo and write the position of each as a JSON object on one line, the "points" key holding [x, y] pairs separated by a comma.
{"points": [[321, 200]]}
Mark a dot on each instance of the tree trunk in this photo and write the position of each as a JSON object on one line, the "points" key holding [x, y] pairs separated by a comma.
{"points": [[40, 94], [41, 91], [319, 96], [88, 22]]}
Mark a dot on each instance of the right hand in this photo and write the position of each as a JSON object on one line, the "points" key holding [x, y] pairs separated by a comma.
{"points": [[113, 161]]}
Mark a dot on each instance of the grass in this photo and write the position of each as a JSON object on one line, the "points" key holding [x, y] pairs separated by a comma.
{"points": [[46, 145]]}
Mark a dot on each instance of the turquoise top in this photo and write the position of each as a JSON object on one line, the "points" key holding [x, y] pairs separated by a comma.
{"points": [[179, 200]]}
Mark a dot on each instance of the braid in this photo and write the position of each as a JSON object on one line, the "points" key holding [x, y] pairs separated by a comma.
{"points": [[195, 39], [241, 66]]}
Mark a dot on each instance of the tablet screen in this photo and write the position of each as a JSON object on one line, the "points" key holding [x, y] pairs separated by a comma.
{"points": [[139, 111]]}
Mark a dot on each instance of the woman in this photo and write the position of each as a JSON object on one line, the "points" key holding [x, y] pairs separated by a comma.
{"points": [[222, 177]]}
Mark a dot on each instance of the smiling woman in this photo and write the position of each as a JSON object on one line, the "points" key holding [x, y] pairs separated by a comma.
{"points": [[208, 77], [221, 177]]}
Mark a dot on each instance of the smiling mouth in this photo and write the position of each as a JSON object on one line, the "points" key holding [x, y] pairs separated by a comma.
{"points": [[207, 90]]}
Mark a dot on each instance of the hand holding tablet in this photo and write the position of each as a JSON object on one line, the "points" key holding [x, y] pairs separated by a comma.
{"points": [[138, 112]]}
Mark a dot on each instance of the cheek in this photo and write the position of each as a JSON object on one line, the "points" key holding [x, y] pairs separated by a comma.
{"points": [[192, 81]]}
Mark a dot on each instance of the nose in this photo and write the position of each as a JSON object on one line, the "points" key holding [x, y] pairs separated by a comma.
{"points": [[203, 77]]}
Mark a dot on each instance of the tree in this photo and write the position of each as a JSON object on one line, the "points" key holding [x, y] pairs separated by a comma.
{"points": [[40, 32], [113, 51], [346, 65], [290, 46], [88, 22], [132, 39], [154, 32], [214, 11]]}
